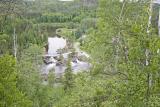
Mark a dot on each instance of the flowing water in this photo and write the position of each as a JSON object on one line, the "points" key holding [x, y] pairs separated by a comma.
{"points": [[57, 43]]}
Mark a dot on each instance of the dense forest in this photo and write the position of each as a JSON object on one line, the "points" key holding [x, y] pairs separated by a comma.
{"points": [[120, 36]]}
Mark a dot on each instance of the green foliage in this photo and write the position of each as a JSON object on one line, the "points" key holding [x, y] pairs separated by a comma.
{"points": [[67, 33], [5, 44], [51, 78], [30, 80], [116, 38], [68, 77], [118, 49], [10, 95]]}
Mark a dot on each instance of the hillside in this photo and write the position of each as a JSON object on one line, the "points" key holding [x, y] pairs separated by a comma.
{"points": [[79, 53]]}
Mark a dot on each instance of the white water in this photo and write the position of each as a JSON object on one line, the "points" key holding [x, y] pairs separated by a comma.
{"points": [[54, 44], [59, 43]]}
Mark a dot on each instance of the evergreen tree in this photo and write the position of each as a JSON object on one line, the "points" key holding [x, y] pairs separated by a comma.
{"points": [[10, 96], [51, 78], [68, 77]]}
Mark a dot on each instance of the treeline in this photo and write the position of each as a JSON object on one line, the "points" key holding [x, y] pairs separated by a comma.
{"points": [[34, 21]]}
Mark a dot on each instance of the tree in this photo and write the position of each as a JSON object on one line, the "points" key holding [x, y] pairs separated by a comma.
{"points": [[8, 7], [29, 80], [68, 77], [118, 49], [4, 43], [51, 78], [10, 94]]}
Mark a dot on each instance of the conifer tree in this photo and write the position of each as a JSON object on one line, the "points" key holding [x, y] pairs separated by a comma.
{"points": [[10, 96], [51, 78], [68, 77]]}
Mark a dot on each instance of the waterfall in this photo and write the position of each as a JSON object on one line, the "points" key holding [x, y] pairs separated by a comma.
{"points": [[56, 43]]}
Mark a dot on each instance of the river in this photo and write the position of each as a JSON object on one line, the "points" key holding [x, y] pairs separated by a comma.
{"points": [[56, 43]]}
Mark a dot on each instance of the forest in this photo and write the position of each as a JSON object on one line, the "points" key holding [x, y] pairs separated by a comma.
{"points": [[119, 40]]}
